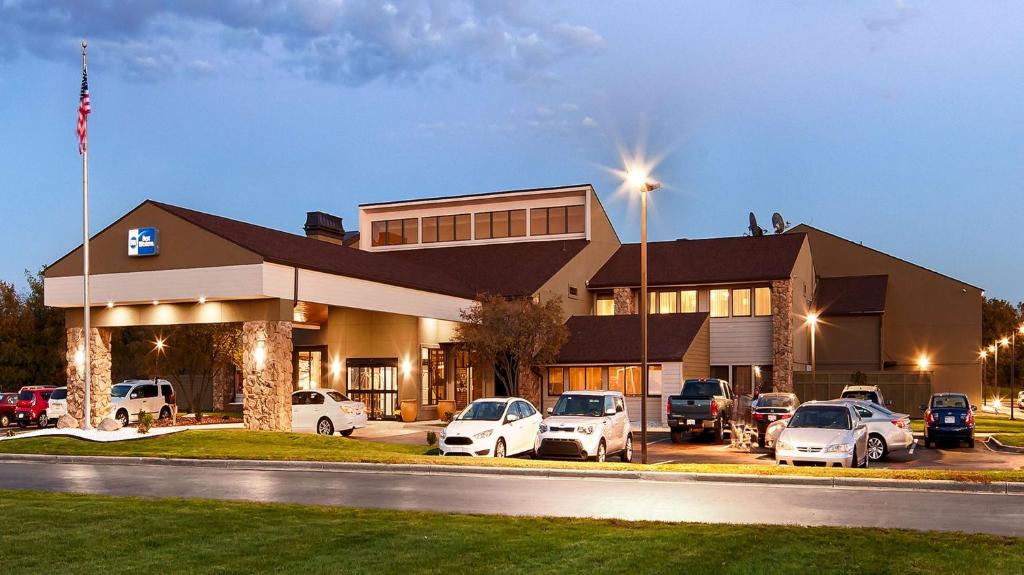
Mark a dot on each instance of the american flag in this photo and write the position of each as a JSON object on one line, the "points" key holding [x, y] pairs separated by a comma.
{"points": [[83, 114]]}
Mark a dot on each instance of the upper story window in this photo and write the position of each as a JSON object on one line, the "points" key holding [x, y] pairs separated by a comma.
{"points": [[719, 303], [446, 228], [500, 224], [557, 220], [741, 302], [604, 304], [762, 301], [395, 232], [688, 301]]}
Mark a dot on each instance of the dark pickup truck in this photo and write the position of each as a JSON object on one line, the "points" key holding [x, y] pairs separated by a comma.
{"points": [[702, 406]]}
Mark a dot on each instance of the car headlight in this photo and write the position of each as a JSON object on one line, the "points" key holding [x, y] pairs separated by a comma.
{"points": [[839, 448], [783, 446], [585, 429], [543, 428], [483, 434], [347, 409], [444, 432]]}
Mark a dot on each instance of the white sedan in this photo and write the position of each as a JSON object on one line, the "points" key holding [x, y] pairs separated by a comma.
{"points": [[497, 427], [828, 433], [324, 411], [887, 431]]}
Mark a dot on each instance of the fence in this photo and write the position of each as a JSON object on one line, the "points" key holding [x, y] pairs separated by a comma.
{"points": [[906, 390]]}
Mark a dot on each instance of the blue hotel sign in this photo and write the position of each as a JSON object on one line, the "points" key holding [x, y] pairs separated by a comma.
{"points": [[143, 242]]}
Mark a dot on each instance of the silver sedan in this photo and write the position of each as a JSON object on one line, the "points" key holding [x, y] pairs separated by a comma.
{"points": [[828, 433], [887, 431]]}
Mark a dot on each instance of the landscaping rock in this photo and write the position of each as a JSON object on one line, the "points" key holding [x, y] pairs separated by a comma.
{"points": [[109, 425], [67, 422]]}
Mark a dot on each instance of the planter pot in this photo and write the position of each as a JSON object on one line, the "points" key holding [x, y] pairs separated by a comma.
{"points": [[410, 408], [445, 406]]}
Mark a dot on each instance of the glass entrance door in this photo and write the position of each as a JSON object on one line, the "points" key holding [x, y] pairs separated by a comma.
{"points": [[375, 383], [308, 367]]}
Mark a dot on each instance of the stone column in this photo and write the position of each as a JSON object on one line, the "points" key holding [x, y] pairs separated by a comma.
{"points": [[99, 366], [782, 335], [625, 304], [267, 375]]}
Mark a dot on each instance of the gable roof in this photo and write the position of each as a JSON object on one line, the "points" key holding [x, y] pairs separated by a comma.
{"points": [[616, 338], [703, 261], [851, 295]]}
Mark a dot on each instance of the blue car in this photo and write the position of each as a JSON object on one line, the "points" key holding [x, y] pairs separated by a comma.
{"points": [[949, 417]]}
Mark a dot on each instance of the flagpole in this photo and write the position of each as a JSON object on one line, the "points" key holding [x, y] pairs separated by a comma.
{"points": [[87, 423]]}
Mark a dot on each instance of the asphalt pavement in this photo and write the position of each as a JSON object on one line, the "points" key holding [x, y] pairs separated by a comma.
{"points": [[1001, 514]]}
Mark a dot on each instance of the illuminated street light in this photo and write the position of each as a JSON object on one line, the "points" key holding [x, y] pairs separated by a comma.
{"points": [[923, 362], [812, 322]]}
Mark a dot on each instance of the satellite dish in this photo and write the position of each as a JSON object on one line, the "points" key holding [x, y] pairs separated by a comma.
{"points": [[755, 230], [779, 223]]}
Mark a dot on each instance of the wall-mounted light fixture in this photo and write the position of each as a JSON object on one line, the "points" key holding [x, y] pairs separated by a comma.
{"points": [[406, 366], [259, 355], [80, 358], [336, 367]]}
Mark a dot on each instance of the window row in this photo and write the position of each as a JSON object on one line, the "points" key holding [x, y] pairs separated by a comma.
{"points": [[446, 228], [622, 378], [503, 224], [558, 220], [488, 225], [395, 232], [722, 302]]}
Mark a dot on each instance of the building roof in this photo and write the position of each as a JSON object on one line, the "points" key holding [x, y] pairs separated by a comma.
{"points": [[474, 195], [464, 271], [704, 261], [616, 338], [851, 295]]}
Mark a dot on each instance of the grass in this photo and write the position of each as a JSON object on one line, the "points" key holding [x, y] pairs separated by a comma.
{"points": [[1014, 439], [985, 423], [97, 534], [240, 444]]}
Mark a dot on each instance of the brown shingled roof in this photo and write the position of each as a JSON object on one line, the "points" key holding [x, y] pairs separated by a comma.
{"points": [[458, 271], [851, 295], [704, 261], [616, 338]]}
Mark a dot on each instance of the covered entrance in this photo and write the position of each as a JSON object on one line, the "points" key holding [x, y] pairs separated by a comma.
{"points": [[374, 381]]}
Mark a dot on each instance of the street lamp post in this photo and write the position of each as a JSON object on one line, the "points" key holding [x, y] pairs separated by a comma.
{"points": [[983, 356], [812, 321], [1013, 368]]}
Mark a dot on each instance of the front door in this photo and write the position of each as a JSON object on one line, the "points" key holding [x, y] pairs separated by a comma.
{"points": [[375, 383], [309, 367]]}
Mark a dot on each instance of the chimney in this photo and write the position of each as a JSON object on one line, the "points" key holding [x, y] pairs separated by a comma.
{"points": [[324, 227]]}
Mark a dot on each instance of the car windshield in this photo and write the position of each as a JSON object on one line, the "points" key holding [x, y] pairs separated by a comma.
{"points": [[949, 402], [697, 387], [484, 411], [822, 417], [120, 390], [775, 401], [336, 396], [59, 394], [586, 405], [26, 395], [865, 395]]}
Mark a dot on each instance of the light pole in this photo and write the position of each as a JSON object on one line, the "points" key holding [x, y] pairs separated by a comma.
{"points": [[639, 181], [983, 356], [812, 322], [995, 366], [1013, 368]]}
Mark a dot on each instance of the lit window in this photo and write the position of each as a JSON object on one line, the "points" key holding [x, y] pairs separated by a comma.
{"points": [[604, 305], [668, 302], [653, 380], [556, 380], [594, 378], [719, 303], [625, 379], [577, 378], [688, 301], [652, 302], [741, 302], [763, 301]]}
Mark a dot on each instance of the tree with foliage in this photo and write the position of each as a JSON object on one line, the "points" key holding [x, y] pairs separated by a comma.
{"points": [[31, 337], [513, 335], [999, 319]]}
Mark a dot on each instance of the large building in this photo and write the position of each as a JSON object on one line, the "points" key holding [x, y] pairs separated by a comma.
{"points": [[372, 311]]}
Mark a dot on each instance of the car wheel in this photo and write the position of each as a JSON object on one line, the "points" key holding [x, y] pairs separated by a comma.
{"points": [[627, 453], [970, 443], [877, 449], [347, 432], [324, 427], [854, 463], [760, 441], [43, 420], [602, 452], [499, 449], [719, 431], [5, 420], [165, 412], [122, 417], [677, 436]]}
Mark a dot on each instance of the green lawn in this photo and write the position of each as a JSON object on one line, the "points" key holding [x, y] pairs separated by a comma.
{"points": [[94, 534], [986, 423], [1015, 439], [240, 444]]}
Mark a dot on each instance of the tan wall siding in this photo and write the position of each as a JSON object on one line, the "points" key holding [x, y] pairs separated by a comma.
{"points": [[697, 361], [741, 340], [803, 283], [849, 343]]}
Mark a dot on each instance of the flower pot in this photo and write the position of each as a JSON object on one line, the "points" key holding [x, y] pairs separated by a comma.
{"points": [[445, 406], [409, 409]]}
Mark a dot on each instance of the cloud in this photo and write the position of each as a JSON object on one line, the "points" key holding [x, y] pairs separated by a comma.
{"points": [[892, 24], [349, 42], [587, 122]]}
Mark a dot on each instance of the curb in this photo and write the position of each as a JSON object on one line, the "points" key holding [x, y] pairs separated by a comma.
{"points": [[1000, 446], [997, 487]]}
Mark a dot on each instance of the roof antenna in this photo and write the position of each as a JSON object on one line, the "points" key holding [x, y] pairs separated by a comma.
{"points": [[755, 230], [779, 223]]}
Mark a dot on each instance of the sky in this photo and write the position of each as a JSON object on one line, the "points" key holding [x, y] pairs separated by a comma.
{"points": [[895, 124]]}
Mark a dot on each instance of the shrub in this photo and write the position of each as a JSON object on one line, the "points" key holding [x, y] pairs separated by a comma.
{"points": [[145, 421], [431, 438]]}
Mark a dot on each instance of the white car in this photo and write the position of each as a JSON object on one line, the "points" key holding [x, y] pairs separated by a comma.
{"points": [[324, 411], [57, 405], [887, 431], [587, 425], [130, 397], [495, 427], [828, 433]]}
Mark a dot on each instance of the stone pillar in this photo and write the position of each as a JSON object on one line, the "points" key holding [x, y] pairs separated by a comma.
{"points": [[625, 303], [267, 375], [529, 386], [223, 386], [99, 373], [782, 335]]}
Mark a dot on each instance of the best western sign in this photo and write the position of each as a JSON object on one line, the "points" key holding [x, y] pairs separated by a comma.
{"points": [[143, 242]]}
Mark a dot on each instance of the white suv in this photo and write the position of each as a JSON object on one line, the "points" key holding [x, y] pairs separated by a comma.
{"points": [[130, 397], [585, 425], [57, 405]]}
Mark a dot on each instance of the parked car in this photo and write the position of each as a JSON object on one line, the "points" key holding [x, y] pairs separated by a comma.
{"points": [[358, 410], [8, 406], [828, 433], [887, 431], [58, 404], [1020, 400], [948, 417], [871, 393], [492, 427], [324, 411], [771, 407], [130, 397], [772, 433], [32, 406], [587, 424], [702, 406]]}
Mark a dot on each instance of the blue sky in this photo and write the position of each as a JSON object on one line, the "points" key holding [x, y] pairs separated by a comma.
{"points": [[897, 124]]}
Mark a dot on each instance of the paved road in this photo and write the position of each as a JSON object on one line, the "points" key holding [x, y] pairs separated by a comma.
{"points": [[607, 498]]}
